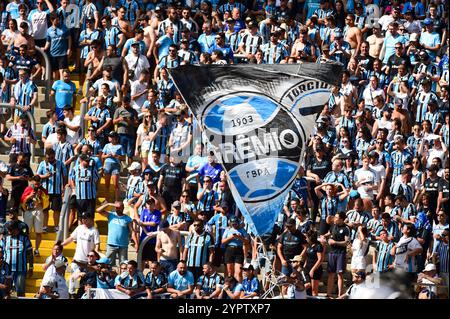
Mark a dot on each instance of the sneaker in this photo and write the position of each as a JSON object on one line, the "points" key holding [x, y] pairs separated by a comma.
{"points": [[44, 230], [56, 229], [36, 252]]}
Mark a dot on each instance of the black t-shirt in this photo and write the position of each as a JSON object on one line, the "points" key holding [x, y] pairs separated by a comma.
{"points": [[17, 170], [394, 62], [444, 188], [321, 168], [292, 243], [311, 254], [432, 189], [338, 233], [173, 176], [367, 62]]}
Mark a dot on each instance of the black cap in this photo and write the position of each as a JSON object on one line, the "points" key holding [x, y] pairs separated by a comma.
{"points": [[24, 116], [126, 99], [290, 222], [86, 215], [252, 24], [361, 274], [358, 5], [231, 20], [184, 41], [113, 134], [84, 157], [164, 224]]}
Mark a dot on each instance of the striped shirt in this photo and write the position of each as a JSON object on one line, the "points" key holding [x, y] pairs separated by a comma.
{"points": [[102, 115], [384, 257], [198, 249], [435, 118], [22, 136], [442, 252], [393, 230], [169, 63], [329, 207], [413, 144], [233, 40], [188, 56], [131, 7], [63, 151], [207, 201], [95, 144], [85, 180], [355, 217], [208, 284], [134, 185], [88, 13], [160, 143], [220, 222], [350, 124], [274, 53], [228, 7], [85, 35], [166, 91], [48, 129], [154, 282], [403, 189], [340, 177], [23, 94], [55, 183], [430, 70], [15, 250], [173, 219], [397, 161], [177, 27], [251, 43], [190, 25], [422, 100], [111, 36]]}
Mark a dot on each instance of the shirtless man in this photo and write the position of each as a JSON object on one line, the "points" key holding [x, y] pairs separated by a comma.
{"points": [[167, 241], [24, 38], [352, 34], [376, 41], [402, 115], [123, 25]]}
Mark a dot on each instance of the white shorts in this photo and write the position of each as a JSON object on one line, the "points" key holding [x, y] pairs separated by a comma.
{"points": [[358, 263], [34, 219]]}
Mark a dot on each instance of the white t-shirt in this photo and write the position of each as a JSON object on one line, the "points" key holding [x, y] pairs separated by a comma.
{"points": [[406, 245], [380, 174], [369, 178], [59, 285], [86, 239], [39, 26], [432, 153], [140, 66], [74, 136], [145, 144], [136, 88], [369, 95]]}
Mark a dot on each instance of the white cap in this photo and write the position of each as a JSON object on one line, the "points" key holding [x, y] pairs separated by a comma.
{"points": [[430, 267], [134, 166], [413, 37]]}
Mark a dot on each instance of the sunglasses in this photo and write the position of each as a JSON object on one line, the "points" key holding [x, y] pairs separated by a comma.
{"points": [[197, 225]]}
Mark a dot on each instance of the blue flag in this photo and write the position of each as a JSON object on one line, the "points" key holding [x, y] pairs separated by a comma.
{"points": [[257, 119]]}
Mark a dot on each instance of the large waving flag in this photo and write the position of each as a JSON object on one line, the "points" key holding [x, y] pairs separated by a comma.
{"points": [[257, 118]]}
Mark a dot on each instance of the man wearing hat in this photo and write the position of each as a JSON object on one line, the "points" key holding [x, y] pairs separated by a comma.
{"points": [[424, 97], [274, 51], [251, 41], [224, 48], [55, 286], [291, 243], [126, 119], [119, 231], [340, 50], [430, 39], [430, 279], [185, 53], [250, 283], [135, 185]]}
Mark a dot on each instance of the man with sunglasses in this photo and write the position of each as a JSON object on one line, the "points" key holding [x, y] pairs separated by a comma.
{"points": [[119, 231], [199, 249]]}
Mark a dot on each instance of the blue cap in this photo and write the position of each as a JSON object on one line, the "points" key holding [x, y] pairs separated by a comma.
{"points": [[338, 34], [354, 194], [427, 21], [104, 260]]}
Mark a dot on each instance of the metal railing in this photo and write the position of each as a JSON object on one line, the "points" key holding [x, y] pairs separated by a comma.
{"points": [[63, 232], [48, 73], [145, 241], [30, 118], [83, 106]]}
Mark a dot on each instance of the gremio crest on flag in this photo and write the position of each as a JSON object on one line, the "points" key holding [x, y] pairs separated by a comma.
{"points": [[257, 120], [258, 140]]}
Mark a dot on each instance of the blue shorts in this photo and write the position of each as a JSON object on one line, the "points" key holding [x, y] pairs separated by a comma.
{"points": [[286, 270], [59, 113], [111, 168], [128, 143]]}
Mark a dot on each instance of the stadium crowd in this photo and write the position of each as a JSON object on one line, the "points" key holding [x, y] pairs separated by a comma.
{"points": [[371, 197]]}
